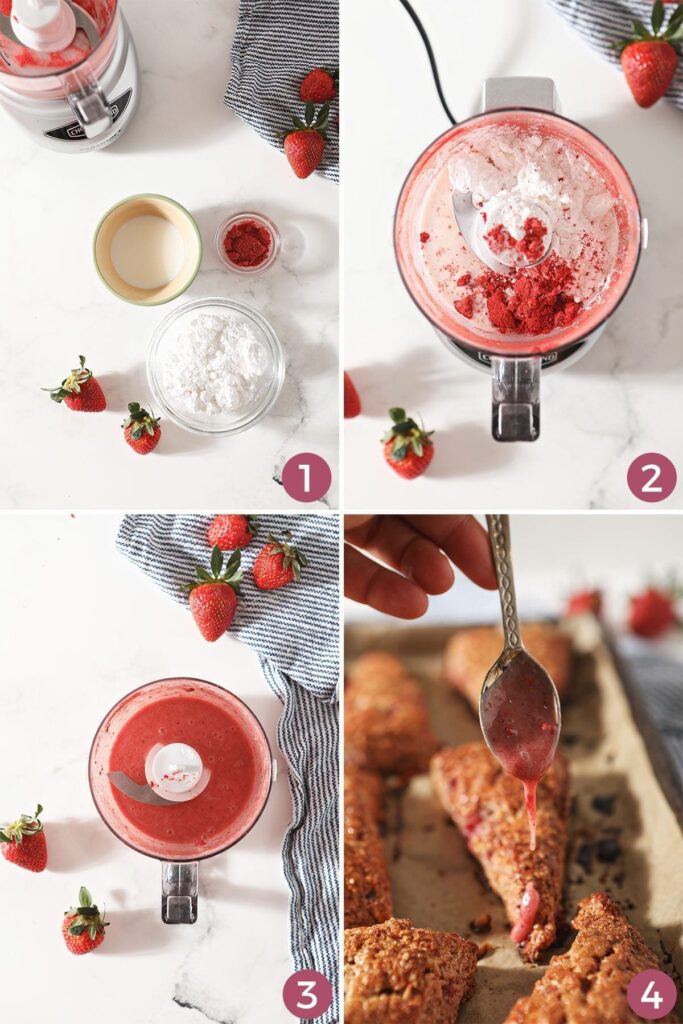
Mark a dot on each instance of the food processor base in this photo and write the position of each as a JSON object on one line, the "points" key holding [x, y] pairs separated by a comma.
{"points": [[52, 122], [516, 383]]}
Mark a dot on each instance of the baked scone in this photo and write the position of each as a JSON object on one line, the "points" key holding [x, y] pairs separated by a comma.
{"points": [[487, 805], [470, 653], [386, 722], [367, 891], [589, 982], [397, 974]]}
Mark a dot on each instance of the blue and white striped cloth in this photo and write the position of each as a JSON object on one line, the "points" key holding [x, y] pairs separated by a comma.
{"points": [[276, 44], [604, 22], [659, 683], [296, 635]]}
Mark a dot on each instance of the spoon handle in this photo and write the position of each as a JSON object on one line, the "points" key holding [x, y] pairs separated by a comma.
{"points": [[499, 536]]}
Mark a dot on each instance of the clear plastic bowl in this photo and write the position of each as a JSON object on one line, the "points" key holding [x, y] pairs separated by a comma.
{"points": [[265, 222], [237, 420]]}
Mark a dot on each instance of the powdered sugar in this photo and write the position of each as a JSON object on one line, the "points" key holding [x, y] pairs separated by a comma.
{"points": [[511, 166], [515, 174], [215, 366]]}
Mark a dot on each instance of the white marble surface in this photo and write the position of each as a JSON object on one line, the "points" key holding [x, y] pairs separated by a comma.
{"points": [[623, 398], [185, 143], [70, 648]]}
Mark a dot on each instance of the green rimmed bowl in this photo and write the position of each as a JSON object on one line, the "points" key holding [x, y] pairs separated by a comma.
{"points": [[147, 205]]}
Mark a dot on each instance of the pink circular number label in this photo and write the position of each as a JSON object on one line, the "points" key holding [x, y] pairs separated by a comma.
{"points": [[307, 994], [651, 477], [306, 477], [651, 994]]}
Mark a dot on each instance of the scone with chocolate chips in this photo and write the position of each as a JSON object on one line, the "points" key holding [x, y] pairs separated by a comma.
{"points": [[397, 974]]}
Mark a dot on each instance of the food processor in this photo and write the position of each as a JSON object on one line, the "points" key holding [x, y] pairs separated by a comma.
{"points": [[516, 362], [180, 770], [68, 71]]}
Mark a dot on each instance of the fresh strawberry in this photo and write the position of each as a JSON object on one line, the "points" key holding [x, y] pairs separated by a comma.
{"points": [[319, 86], [351, 399], [278, 563], [83, 926], [653, 612], [407, 447], [141, 430], [23, 842], [584, 601], [80, 391], [213, 597], [231, 532], [649, 57], [305, 143]]}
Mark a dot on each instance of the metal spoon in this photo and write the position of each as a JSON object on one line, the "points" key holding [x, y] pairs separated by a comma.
{"points": [[519, 708]]}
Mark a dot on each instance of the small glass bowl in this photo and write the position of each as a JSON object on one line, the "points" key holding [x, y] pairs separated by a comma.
{"points": [[232, 422], [261, 219]]}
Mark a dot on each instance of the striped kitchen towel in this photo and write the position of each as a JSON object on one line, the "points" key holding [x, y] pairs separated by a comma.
{"points": [[277, 42], [603, 22], [659, 683], [295, 632]]}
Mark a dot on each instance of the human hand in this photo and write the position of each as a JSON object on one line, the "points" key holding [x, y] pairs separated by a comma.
{"points": [[417, 550]]}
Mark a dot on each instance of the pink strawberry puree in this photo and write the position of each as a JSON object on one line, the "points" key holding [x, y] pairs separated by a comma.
{"points": [[231, 745], [519, 168], [527, 914], [521, 731], [225, 749]]}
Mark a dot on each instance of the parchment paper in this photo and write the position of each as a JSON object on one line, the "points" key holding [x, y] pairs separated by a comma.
{"points": [[438, 885]]}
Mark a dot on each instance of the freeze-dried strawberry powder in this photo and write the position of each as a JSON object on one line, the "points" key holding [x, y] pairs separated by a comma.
{"points": [[531, 245], [535, 300]]}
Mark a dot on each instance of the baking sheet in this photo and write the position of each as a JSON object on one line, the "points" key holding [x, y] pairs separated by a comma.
{"points": [[438, 885]]}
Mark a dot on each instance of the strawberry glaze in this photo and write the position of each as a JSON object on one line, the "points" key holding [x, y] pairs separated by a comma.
{"points": [[527, 914]]}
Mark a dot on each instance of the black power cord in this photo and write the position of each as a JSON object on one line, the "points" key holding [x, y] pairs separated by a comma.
{"points": [[432, 59]]}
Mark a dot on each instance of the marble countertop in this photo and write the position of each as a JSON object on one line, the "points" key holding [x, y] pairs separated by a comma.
{"points": [[87, 649], [185, 143], [623, 397]]}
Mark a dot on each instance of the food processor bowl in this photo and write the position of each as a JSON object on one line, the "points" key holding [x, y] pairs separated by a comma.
{"points": [[78, 98], [515, 360], [179, 853]]}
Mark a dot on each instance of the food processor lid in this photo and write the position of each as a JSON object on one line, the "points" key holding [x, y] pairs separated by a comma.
{"points": [[43, 38], [406, 233]]}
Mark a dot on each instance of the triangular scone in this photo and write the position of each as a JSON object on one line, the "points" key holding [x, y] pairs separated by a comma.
{"points": [[386, 719], [589, 982], [397, 974], [367, 890], [487, 805]]}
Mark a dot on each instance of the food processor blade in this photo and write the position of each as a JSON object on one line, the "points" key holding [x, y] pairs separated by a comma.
{"points": [[142, 793]]}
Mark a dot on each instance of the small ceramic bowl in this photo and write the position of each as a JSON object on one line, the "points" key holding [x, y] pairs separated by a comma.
{"points": [[262, 221], [147, 205]]}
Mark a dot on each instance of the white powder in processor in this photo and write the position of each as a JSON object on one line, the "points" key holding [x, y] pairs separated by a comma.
{"points": [[214, 367]]}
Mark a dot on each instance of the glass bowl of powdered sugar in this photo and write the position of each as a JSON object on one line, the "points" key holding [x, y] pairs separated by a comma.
{"points": [[215, 366]]}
